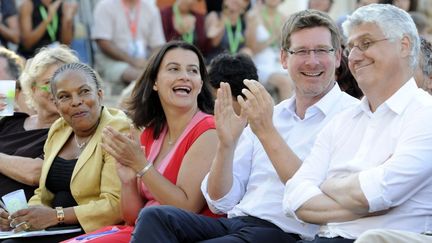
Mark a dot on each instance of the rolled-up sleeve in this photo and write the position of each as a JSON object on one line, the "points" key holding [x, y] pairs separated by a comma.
{"points": [[406, 172], [241, 170]]}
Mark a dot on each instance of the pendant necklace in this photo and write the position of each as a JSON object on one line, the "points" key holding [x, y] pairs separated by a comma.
{"points": [[80, 145]]}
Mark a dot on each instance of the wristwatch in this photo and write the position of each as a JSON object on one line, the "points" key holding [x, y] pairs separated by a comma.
{"points": [[60, 214]]}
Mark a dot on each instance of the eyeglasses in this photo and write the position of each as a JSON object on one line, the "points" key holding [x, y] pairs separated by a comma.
{"points": [[362, 46], [319, 52], [43, 87]]}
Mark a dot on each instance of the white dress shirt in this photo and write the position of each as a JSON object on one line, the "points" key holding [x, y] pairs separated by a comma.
{"points": [[257, 190], [391, 149]]}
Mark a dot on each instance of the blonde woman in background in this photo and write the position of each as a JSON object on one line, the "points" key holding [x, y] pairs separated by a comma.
{"points": [[22, 137]]}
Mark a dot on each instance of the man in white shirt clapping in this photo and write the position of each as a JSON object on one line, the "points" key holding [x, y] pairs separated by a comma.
{"points": [[247, 177]]}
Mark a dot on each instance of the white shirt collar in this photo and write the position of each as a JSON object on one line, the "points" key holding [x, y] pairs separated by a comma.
{"points": [[325, 104], [396, 103]]}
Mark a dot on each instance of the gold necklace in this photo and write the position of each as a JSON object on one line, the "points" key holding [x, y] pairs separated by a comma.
{"points": [[171, 141]]}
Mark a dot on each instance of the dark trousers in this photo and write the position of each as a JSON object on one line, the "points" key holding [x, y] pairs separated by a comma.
{"points": [[328, 240], [170, 224]]}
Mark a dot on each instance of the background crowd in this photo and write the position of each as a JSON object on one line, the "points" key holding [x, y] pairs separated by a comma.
{"points": [[117, 37]]}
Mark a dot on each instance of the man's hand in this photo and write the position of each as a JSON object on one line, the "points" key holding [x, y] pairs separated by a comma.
{"points": [[229, 125], [258, 107]]}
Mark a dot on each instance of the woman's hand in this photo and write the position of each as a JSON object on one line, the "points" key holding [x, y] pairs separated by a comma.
{"points": [[126, 174], [52, 9], [69, 10], [126, 149], [4, 220], [34, 218], [187, 24], [2, 102]]}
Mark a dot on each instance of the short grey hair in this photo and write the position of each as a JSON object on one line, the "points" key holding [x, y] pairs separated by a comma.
{"points": [[36, 66], [425, 60], [393, 22]]}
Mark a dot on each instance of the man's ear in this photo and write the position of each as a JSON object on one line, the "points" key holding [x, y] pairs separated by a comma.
{"points": [[284, 58], [405, 46], [100, 94]]}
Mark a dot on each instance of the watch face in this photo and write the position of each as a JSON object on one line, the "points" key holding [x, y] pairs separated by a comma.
{"points": [[60, 214]]}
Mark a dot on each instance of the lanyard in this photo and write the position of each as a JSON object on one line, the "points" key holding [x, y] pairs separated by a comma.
{"points": [[132, 18], [276, 22], [234, 39], [52, 26], [188, 36]]}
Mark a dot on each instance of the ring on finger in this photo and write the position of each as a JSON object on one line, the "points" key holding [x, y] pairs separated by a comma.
{"points": [[12, 223], [24, 224]]}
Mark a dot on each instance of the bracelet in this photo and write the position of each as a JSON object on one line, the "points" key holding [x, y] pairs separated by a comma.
{"points": [[144, 170], [60, 214]]}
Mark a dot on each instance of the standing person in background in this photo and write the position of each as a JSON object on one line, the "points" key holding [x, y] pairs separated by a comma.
{"points": [[226, 29], [45, 22], [263, 37], [22, 136], [125, 31], [9, 26], [181, 22]]}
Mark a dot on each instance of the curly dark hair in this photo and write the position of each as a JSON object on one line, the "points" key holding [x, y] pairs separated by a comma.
{"points": [[232, 69], [346, 80]]}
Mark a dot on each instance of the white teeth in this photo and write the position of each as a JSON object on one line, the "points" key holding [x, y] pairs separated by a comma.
{"points": [[312, 74], [181, 88]]}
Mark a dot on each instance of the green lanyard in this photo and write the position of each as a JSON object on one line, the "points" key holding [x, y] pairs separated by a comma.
{"points": [[234, 39], [187, 37], [276, 22], [52, 26]]}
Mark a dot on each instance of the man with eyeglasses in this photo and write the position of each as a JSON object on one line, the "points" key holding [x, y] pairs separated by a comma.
{"points": [[370, 167], [247, 177]]}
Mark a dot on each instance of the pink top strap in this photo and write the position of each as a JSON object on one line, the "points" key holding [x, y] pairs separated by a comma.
{"points": [[155, 149]]}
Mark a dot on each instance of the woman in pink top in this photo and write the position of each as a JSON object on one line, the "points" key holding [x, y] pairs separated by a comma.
{"points": [[173, 103]]}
